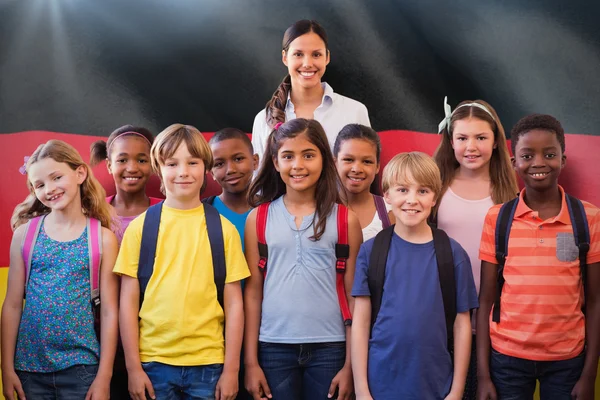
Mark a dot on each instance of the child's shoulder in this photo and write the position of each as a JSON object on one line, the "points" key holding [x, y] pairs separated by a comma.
{"points": [[591, 210]]}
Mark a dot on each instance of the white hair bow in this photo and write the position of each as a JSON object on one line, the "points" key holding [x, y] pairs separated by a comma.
{"points": [[447, 115]]}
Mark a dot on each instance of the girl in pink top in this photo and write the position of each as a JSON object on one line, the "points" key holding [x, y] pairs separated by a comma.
{"points": [[127, 155], [476, 174]]}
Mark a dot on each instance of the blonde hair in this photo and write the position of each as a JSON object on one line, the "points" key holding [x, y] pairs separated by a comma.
{"points": [[93, 196], [168, 141], [423, 169], [502, 176]]}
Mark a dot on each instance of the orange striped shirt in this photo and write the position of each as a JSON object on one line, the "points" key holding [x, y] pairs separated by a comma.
{"points": [[540, 310]]}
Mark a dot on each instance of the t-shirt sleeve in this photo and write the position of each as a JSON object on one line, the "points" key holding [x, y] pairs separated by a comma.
{"points": [[129, 253], [487, 247], [593, 216], [361, 284], [237, 268], [363, 116], [259, 136], [466, 293]]}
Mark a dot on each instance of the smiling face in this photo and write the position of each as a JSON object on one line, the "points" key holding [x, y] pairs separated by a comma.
{"points": [[233, 165], [56, 185], [306, 59], [129, 163], [411, 202], [299, 163], [182, 175], [473, 143], [538, 159], [357, 165]]}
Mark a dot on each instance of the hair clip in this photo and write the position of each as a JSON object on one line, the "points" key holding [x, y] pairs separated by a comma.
{"points": [[23, 168], [277, 125]]}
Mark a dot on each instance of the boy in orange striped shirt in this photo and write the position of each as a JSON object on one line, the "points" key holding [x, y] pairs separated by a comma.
{"points": [[542, 333]]}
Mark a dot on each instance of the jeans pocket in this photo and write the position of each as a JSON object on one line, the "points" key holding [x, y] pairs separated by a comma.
{"points": [[23, 376], [87, 373]]}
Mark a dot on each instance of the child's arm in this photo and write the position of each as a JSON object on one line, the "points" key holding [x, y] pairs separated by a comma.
{"points": [[109, 314], [129, 309], [462, 354], [234, 334], [343, 382], [584, 389], [485, 387], [255, 380], [361, 326], [11, 317]]}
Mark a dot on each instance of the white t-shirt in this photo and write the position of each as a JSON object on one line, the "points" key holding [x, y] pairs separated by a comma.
{"points": [[376, 225], [335, 112]]}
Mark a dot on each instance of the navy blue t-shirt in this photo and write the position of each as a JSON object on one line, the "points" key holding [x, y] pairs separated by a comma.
{"points": [[408, 353]]}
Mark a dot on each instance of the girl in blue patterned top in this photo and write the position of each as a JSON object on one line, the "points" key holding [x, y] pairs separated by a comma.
{"points": [[49, 348]]}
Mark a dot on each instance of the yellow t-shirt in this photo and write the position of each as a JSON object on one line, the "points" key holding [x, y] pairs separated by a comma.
{"points": [[181, 321]]}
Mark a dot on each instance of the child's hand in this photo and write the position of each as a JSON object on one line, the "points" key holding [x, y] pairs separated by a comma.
{"points": [[11, 384], [227, 386], [100, 389], [486, 389], [139, 384], [453, 396], [584, 388], [256, 383], [343, 383], [364, 397]]}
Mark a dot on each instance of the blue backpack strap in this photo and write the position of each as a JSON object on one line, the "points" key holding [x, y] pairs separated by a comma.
{"points": [[209, 200], [148, 247], [382, 212], [445, 264], [503, 226], [581, 232], [217, 249]]}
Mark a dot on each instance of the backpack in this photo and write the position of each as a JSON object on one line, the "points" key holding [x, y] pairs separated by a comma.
{"points": [[445, 265], [150, 239], [506, 215], [209, 200], [342, 252], [94, 239], [382, 212]]}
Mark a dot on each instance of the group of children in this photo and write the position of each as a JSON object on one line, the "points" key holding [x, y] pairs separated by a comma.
{"points": [[267, 286]]}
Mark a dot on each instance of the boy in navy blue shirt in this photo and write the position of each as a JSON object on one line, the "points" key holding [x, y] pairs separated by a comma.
{"points": [[407, 356]]}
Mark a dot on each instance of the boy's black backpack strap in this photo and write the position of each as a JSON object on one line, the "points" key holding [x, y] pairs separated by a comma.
{"points": [[209, 200], [581, 232], [148, 247], [503, 226], [150, 239], [217, 249], [445, 264], [376, 269]]}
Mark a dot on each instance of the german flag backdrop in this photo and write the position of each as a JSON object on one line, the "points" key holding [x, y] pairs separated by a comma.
{"points": [[77, 69]]}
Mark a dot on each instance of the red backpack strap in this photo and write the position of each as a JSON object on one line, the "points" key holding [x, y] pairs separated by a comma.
{"points": [[94, 232], [342, 252], [32, 230], [262, 213]]}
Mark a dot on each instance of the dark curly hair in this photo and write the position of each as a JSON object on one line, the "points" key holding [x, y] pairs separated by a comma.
{"points": [[537, 121]]}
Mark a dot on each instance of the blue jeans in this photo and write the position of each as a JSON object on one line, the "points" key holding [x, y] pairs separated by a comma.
{"points": [[71, 383], [515, 378], [301, 371], [194, 383]]}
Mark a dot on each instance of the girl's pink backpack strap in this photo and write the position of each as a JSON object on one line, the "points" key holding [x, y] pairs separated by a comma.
{"points": [[94, 231], [32, 230]]}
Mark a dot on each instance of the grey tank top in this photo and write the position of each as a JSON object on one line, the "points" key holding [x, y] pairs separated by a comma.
{"points": [[300, 303]]}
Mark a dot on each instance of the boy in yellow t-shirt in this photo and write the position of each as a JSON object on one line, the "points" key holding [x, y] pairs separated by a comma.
{"points": [[174, 342]]}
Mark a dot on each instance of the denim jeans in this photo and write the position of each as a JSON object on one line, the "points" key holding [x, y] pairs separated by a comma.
{"points": [[194, 383], [301, 371], [515, 378], [72, 383]]}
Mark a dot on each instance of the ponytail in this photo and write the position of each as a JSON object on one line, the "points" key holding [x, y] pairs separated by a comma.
{"points": [[276, 106], [98, 152]]}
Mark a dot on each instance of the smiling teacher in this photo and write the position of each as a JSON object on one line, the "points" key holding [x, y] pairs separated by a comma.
{"points": [[306, 55]]}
